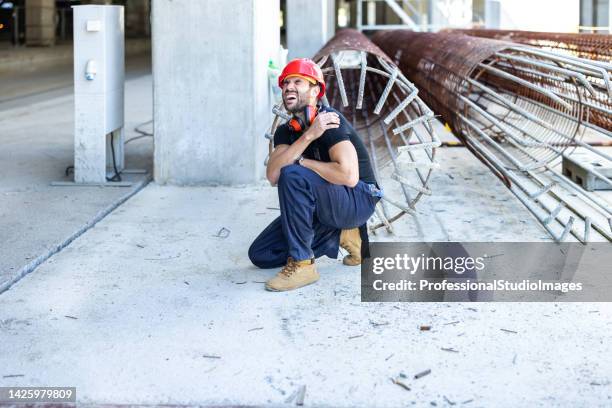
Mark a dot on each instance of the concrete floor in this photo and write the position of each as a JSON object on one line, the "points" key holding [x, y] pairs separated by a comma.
{"points": [[37, 146], [132, 311]]}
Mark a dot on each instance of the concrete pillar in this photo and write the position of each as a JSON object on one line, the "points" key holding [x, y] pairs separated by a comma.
{"points": [[492, 13], [40, 22], [609, 19], [137, 18], [381, 12], [332, 17], [595, 14], [211, 94], [353, 13], [310, 24]]}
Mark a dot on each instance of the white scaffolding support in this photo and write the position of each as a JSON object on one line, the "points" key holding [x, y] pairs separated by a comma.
{"points": [[398, 7]]}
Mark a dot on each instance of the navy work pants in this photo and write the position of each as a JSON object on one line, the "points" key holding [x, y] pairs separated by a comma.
{"points": [[313, 213]]}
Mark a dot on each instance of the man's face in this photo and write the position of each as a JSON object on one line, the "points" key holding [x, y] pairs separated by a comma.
{"points": [[298, 93]]}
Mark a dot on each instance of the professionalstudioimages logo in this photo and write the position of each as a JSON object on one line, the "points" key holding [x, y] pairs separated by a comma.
{"points": [[453, 271]]}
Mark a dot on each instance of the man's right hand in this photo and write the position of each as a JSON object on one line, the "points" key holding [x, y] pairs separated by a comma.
{"points": [[323, 121]]}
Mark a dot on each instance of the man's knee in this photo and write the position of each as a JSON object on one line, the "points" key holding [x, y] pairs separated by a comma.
{"points": [[292, 173], [255, 255], [264, 258]]}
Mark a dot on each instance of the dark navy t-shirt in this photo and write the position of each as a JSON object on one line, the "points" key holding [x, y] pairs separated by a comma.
{"points": [[319, 148]]}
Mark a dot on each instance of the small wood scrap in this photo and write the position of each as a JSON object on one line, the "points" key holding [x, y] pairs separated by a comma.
{"points": [[467, 401], [300, 396], [186, 283], [377, 324], [449, 402], [388, 358], [222, 233], [240, 283], [13, 375], [210, 356], [455, 322], [400, 383], [255, 328], [449, 349], [71, 317], [422, 374], [355, 337], [509, 331], [272, 208], [425, 327]]}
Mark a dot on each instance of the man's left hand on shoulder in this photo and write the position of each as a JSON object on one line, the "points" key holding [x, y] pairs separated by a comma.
{"points": [[323, 122]]}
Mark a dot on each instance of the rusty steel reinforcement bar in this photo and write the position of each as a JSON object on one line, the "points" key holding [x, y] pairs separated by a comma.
{"points": [[583, 45], [383, 106], [519, 109]]}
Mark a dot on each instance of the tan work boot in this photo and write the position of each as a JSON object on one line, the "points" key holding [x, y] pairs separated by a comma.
{"points": [[351, 241], [294, 274]]}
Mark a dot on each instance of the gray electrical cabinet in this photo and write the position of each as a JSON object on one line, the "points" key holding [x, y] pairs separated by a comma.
{"points": [[99, 74]]}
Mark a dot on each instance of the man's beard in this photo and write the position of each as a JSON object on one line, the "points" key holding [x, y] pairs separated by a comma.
{"points": [[299, 106]]}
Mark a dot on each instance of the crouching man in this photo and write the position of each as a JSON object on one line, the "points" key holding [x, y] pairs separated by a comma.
{"points": [[326, 186]]}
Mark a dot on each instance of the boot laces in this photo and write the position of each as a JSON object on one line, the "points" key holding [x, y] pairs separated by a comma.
{"points": [[290, 268]]}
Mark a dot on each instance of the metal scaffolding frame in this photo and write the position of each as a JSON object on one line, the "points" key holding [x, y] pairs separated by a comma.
{"points": [[398, 7]]}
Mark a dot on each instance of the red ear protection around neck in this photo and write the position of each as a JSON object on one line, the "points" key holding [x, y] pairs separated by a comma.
{"points": [[297, 124]]}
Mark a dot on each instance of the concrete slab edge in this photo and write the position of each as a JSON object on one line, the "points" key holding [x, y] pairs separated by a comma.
{"points": [[35, 263]]}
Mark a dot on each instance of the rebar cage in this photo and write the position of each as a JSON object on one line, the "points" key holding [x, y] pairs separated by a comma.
{"points": [[519, 109]]}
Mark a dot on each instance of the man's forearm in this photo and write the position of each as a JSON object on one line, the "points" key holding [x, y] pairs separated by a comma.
{"points": [[332, 172], [287, 157]]}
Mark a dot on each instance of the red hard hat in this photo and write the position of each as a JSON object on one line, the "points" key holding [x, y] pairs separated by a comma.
{"points": [[304, 67]]}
